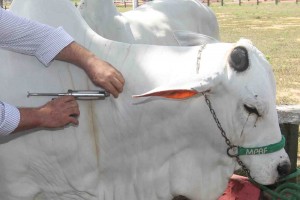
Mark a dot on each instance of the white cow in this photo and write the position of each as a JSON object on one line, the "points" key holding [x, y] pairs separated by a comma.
{"points": [[156, 22], [140, 149]]}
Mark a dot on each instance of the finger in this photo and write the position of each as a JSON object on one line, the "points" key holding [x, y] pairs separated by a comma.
{"points": [[63, 99], [117, 85], [110, 89], [74, 111], [71, 104], [68, 98], [73, 120], [120, 77]]}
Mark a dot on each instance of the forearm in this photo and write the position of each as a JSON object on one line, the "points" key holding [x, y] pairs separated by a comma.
{"points": [[54, 114], [100, 72], [30, 118], [77, 55], [18, 119], [47, 43]]}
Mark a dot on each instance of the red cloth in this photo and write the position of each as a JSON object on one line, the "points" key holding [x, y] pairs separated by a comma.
{"points": [[240, 188]]}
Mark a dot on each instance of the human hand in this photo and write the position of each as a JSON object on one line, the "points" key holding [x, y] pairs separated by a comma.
{"points": [[101, 73], [59, 112], [105, 75], [54, 114]]}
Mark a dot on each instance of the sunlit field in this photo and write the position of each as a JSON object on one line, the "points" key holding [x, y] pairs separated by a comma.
{"points": [[275, 30]]}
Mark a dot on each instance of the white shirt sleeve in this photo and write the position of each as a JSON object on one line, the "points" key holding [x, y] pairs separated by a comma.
{"points": [[9, 118], [32, 38]]}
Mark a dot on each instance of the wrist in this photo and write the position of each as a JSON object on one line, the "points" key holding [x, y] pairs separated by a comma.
{"points": [[88, 62], [30, 118], [77, 55]]}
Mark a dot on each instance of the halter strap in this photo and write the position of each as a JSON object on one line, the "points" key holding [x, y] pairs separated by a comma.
{"points": [[262, 150], [234, 151]]}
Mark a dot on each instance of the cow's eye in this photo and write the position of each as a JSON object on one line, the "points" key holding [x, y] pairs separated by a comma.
{"points": [[251, 110], [238, 59]]}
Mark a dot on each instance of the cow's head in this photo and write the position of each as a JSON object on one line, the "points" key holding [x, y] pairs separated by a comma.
{"points": [[238, 81]]}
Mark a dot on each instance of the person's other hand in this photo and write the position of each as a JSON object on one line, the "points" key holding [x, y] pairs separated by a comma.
{"points": [[59, 112], [100, 72], [105, 75]]}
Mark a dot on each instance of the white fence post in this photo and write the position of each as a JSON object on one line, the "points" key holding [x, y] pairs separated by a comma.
{"points": [[135, 3]]}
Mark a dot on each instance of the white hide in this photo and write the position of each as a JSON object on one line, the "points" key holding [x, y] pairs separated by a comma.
{"points": [[155, 22], [136, 149]]}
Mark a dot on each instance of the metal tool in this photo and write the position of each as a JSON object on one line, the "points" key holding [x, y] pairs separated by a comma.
{"points": [[78, 94]]}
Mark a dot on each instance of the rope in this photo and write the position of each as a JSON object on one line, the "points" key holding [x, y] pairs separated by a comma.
{"points": [[286, 190]]}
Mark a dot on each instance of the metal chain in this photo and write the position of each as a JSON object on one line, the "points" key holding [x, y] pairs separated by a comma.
{"points": [[228, 142], [244, 167]]}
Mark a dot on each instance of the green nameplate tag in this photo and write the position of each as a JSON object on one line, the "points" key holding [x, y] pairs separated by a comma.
{"points": [[262, 150]]}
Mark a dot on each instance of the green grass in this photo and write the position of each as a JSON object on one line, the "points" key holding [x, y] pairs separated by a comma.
{"points": [[123, 9], [275, 30]]}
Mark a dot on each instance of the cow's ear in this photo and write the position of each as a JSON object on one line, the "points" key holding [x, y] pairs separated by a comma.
{"points": [[183, 88], [189, 38], [170, 94]]}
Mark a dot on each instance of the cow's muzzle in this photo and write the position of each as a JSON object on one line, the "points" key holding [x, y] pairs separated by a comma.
{"points": [[180, 197], [283, 169]]}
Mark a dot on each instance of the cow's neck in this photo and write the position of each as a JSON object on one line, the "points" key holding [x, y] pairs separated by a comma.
{"points": [[182, 136], [178, 142]]}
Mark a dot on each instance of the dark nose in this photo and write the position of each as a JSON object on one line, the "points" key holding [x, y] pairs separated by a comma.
{"points": [[180, 197], [283, 169]]}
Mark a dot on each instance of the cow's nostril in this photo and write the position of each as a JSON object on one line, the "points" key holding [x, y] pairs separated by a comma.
{"points": [[180, 197], [283, 169]]}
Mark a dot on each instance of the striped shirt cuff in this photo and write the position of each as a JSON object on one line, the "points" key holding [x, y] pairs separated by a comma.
{"points": [[9, 119], [52, 45]]}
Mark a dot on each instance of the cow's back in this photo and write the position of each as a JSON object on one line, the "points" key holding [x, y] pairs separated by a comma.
{"points": [[155, 22]]}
